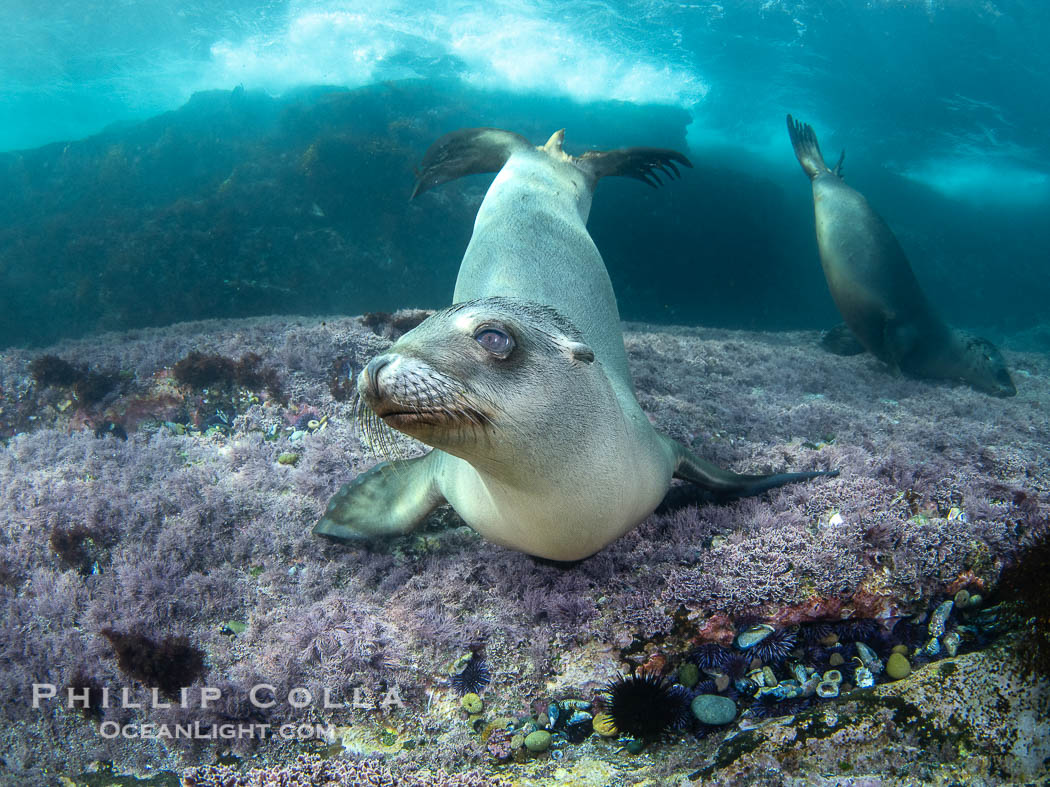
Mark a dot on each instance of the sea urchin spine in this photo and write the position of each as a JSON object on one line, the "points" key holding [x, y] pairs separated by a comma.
{"points": [[474, 677], [644, 706]]}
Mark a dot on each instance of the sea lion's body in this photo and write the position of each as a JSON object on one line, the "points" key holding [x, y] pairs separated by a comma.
{"points": [[523, 387], [875, 289], [531, 243]]}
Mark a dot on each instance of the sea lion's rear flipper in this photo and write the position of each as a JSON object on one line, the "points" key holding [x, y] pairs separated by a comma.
{"points": [[644, 164], [469, 151], [726, 483], [840, 340], [390, 499], [807, 149]]}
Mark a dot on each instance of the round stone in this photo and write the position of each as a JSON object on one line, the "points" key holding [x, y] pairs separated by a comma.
{"points": [[902, 649], [538, 741], [897, 666], [750, 637], [714, 710], [836, 660], [688, 675]]}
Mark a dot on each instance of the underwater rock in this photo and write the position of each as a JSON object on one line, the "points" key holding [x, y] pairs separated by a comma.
{"points": [[238, 513], [982, 724], [897, 666], [939, 617], [871, 661], [538, 741], [714, 710], [951, 642], [750, 637], [932, 647], [688, 675]]}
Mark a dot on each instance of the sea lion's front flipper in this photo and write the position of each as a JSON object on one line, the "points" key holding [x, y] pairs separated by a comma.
{"points": [[840, 340], [726, 483], [469, 151], [644, 164], [390, 499]]}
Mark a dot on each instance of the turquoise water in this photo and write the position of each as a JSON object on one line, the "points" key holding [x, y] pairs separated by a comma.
{"points": [[941, 108], [163, 163]]}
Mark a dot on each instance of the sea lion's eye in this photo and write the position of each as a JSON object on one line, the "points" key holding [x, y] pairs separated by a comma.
{"points": [[495, 341]]}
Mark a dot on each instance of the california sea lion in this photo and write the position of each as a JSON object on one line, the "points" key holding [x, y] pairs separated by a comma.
{"points": [[522, 386], [876, 291]]}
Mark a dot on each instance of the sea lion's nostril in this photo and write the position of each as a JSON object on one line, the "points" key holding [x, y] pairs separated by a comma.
{"points": [[375, 366]]}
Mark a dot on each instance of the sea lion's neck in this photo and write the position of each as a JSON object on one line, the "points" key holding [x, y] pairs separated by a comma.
{"points": [[567, 509], [526, 449], [557, 184], [530, 242]]}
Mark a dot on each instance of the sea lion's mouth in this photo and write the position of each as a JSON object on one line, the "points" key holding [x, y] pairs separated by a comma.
{"points": [[403, 418]]}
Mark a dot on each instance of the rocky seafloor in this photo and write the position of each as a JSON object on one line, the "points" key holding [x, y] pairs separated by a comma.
{"points": [[156, 522]]}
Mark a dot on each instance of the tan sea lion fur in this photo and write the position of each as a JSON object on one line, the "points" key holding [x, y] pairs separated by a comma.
{"points": [[875, 288], [522, 387]]}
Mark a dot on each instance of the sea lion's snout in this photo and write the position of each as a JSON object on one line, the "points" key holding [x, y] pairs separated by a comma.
{"points": [[408, 394], [1005, 387], [389, 384], [368, 382]]}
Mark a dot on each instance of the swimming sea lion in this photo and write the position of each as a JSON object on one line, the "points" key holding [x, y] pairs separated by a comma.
{"points": [[522, 387], [876, 291]]}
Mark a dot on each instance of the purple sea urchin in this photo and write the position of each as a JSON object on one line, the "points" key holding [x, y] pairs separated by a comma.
{"points": [[777, 646], [474, 677], [857, 629], [684, 716], [644, 705], [737, 665], [813, 633], [704, 687], [710, 656]]}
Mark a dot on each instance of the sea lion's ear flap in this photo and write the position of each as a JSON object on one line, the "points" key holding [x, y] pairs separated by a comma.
{"points": [[469, 151], [580, 352], [554, 144]]}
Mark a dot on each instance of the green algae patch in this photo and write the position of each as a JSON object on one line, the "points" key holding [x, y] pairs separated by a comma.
{"points": [[105, 777]]}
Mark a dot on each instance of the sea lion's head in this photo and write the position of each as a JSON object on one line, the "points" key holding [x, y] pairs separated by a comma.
{"points": [[482, 379], [986, 368]]}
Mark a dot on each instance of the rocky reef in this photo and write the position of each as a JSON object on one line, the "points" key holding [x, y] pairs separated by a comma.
{"points": [[161, 527]]}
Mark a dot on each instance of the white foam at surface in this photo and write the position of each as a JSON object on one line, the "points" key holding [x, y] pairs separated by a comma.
{"points": [[500, 47]]}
